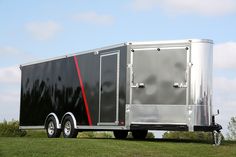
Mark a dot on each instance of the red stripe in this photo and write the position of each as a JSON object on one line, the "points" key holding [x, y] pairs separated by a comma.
{"points": [[83, 92]]}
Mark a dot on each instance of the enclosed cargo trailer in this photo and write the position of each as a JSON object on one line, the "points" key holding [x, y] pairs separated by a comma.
{"points": [[133, 86]]}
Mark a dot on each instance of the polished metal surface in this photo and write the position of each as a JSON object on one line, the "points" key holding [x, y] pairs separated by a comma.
{"points": [[103, 127], [51, 128], [67, 128], [158, 71], [170, 42], [188, 71], [71, 115], [153, 113], [201, 81], [32, 127], [58, 125]]}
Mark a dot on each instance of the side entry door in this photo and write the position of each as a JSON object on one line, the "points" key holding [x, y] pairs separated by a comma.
{"points": [[109, 88]]}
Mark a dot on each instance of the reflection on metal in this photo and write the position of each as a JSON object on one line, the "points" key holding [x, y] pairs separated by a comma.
{"points": [[71, 115], [58, 125], [67, 128], [159, 49], [158, 71], [31, 127], [201, 78], [152, 113], [51, 128], [109, 88], [103, 127], [82, 90], [178, 83], [138, 83]]}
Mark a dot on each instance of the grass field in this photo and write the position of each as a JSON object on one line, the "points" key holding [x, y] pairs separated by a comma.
{"points": [[40, 147]]}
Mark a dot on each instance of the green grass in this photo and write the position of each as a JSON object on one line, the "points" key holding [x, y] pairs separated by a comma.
{"points": [[40, 147]]}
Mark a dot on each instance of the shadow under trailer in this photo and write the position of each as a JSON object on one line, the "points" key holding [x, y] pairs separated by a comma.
{"points": [[129, 87]]}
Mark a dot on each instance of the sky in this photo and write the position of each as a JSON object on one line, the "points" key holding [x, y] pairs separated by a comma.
{"points": [[35, 30]]}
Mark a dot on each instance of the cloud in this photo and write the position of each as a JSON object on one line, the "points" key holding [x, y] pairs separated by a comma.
{"points": [[224, 55], [11, 55], [10, 104], [10, 97], [205, 8], [225, 85], [43, 30], [9, 50], [9, 75], [9, 92], [94, 18], [227, 109], [224, 99]]}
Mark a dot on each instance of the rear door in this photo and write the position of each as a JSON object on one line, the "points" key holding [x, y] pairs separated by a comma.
{"points": [[159, 85], [159, 76]]}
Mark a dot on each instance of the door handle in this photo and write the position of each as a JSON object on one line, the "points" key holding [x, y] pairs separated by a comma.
{"points": [[138, 85], [180, 85], [141, 85], [176, 85]]}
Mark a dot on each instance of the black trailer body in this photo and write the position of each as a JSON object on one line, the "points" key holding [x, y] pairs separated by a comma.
{"points": [[71, 85], [134, 86]]}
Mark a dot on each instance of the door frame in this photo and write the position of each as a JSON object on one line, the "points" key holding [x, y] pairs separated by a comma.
{"points": [[105, 54]]}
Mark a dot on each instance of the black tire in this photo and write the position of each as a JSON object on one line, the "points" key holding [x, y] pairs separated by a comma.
{"points": [[68, 128], [139, 134], [120, 134], [51, 129]]}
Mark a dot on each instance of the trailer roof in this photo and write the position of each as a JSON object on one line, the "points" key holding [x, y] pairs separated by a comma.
{"points": [[119, 45], [73, 54], [172, 42]]}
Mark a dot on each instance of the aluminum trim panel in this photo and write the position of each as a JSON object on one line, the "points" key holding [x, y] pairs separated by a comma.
{"points": [[150, 123], [152, 113], [190, 115], [102, 127], [31, 127], [186, 41], [201, 79], [106, 123]]}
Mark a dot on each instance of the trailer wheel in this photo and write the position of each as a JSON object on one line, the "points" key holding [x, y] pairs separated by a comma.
{"points": [[139, 134], [51, 129], [217, 137], [69, 130], [120, 134]]}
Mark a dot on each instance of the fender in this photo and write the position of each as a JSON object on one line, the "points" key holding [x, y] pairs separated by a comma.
{"points": [[58, 125], [73, 118]]}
